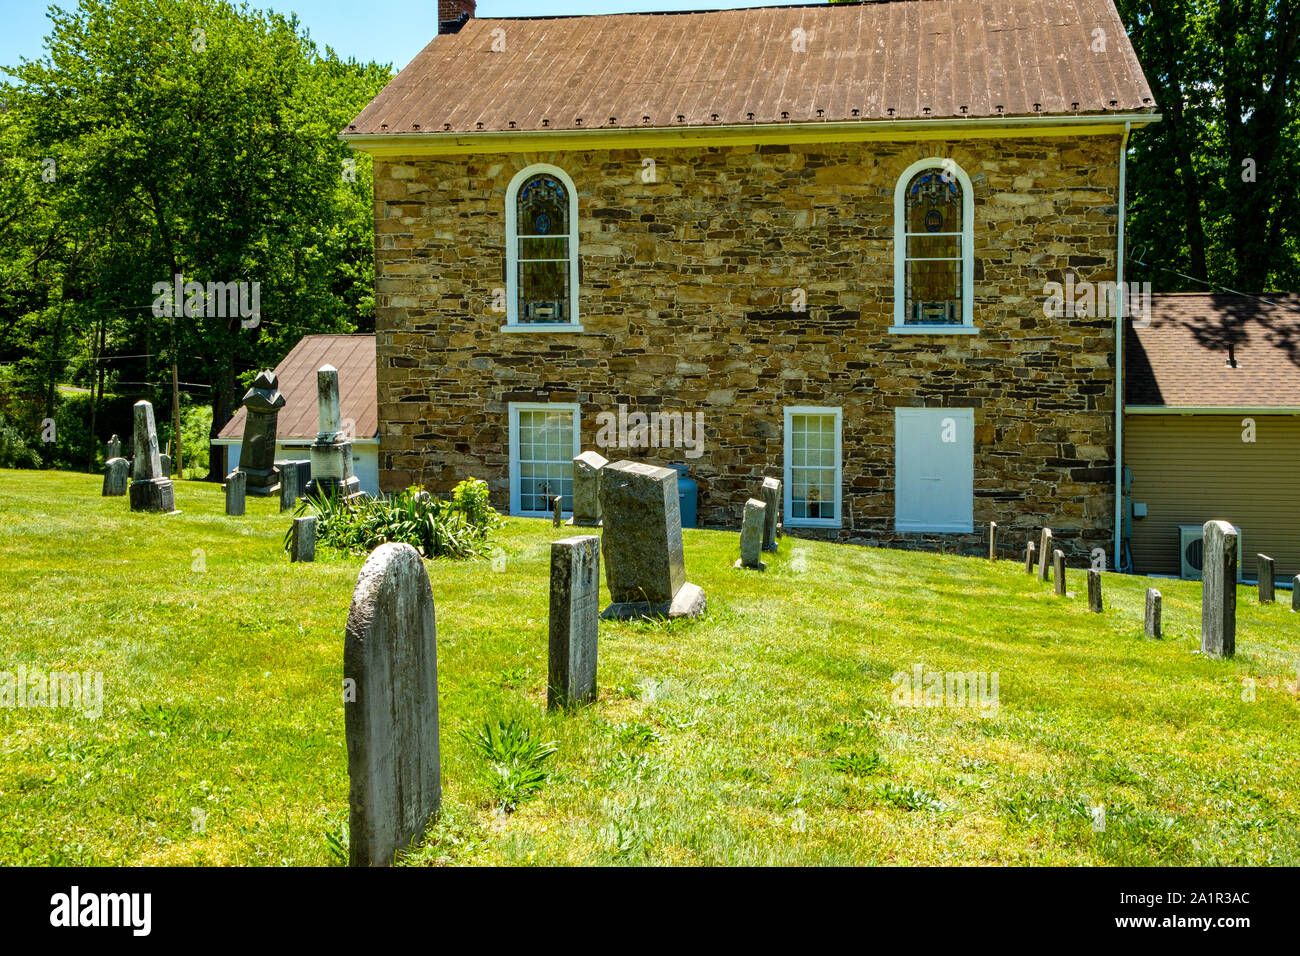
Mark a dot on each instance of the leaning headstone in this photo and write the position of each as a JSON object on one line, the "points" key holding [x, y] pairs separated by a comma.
{"points": [[1295, 593], [114, 478], [331, 452], [1265, 565], [302, 543], [166, 461], [993, 540], [289, 490], [1045, 555], [771, 494], [1219, 589], [586, 489], [575, 617], [751, 535], [1153, 613], [235, 487], [642, 544], [151, 490], [390, 706], [1094, 591], [557, 511], [1058, 571], [1031, 552], [262, 404], [114, 447]]}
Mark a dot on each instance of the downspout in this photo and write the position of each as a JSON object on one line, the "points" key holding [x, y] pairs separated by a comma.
{"points": [[1120, 303]]}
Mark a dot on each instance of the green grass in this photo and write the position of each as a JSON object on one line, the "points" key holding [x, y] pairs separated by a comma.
{"points": [[765, 733]]}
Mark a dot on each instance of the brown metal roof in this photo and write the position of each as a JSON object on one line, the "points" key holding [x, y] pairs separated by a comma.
{"points": [[353, 356], [905, 59], [1181, 358]]}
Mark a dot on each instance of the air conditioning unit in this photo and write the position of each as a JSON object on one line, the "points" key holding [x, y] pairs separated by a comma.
{"points": [[1191, 549]]}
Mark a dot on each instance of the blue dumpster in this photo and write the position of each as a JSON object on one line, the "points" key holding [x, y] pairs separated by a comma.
{"points": [[688, 495]]}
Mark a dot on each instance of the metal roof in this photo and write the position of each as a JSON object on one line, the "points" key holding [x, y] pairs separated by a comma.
{"points": [[353, 356], [903, 59]]}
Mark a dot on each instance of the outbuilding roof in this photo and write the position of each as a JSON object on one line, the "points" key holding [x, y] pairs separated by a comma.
{"points": [[353, 356], [896, 59], [1182, 358]]}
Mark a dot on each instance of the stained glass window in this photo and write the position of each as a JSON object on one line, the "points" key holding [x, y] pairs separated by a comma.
{"points": [[933, 234], [543, 232]]}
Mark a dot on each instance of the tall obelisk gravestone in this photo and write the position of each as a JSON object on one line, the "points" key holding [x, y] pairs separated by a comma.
{"points": [[150, 489], [331, 453]]}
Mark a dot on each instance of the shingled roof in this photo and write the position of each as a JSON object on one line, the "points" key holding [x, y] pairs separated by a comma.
{"points": [[353, 356], [1181, 359], [894, 60]]}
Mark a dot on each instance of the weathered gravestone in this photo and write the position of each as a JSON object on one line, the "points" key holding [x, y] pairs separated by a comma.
{"points": [[771, 494], [390, 709], [1031, 551], [165, 460], [236, 488], [262, 404], [1045, 556], [557, 511], [114, 448], [1295, 596], [1058, 571], [331, 452], [1094, 591], [302, 542], [751, 535], [586, 489], [1153, 613], [1265, 573], [115, 470], [150, 489], [993, 540], [1219, 589], [289, 490], [642, 544], [575, 618]]}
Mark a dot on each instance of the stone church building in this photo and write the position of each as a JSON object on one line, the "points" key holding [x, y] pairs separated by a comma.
{"points": [[818, 238]]}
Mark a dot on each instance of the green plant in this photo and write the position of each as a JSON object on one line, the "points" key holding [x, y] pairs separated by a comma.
{"points": [[14, 452], [514, 761], [857, 764], [910, 798], [337, 838]]}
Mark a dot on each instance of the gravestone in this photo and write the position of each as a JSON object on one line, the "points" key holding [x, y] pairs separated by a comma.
{"points": [[1295, 593], [1031, 552], [1153, 613], [1058, 571], [114, 448], [235, 487], [642, 544], [1265, 572], [557, 511], [751, 535], [150, 489], [390, 706], [302, 543], [331, 452], [1219, 589], [262, 404], [289, 490], [771, 495], [993, 540], [1045, 556], [115, 470], [1094, 591], [586, 489], [575, 621], [166, 461]]}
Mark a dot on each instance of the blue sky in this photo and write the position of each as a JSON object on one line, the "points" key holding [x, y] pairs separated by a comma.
{"points": [[388, 31]]}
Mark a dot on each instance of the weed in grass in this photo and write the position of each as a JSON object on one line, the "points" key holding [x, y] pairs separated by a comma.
{"points": [[513, 676], [633, 733], [910, 798], [857, 764], [336, 838], [513, 759]]}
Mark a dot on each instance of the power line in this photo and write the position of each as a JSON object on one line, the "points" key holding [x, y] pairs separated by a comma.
{"points": [[1216, 286]]}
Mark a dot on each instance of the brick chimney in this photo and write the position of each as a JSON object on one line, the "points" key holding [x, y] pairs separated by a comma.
{"points": [[452, 14]]}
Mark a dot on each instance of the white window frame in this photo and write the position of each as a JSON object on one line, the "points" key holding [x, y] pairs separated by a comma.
{"points": [[516, 482], [966, 416], [900, 326], [838, 520], [512, 254]]}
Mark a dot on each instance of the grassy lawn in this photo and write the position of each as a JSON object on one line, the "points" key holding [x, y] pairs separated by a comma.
{"points": [[765, 733]]}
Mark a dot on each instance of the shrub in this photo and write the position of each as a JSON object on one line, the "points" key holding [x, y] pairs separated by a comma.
{"points": [[14, 452], [514, 760]]}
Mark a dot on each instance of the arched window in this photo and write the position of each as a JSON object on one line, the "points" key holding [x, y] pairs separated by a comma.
{"points": [[541, 249], [933, 254]]}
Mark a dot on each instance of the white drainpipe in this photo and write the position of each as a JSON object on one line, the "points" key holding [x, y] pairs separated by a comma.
{"points": [[1119, 353]]}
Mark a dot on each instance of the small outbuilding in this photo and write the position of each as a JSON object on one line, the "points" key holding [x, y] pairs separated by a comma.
{"points": [[354, 357]]}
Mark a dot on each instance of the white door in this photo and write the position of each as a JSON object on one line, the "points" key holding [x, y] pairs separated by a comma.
{"points": [[934, 469]]}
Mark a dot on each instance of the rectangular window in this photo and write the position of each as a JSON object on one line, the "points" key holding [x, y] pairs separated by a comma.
{"points": [[812, 468], [544, 440], [934, 469]]}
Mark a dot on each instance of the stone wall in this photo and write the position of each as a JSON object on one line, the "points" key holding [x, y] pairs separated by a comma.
{"points": [[686, 289]]}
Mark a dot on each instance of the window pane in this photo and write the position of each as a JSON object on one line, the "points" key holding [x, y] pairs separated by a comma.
{"points": [[543, 291], [933, 205], [554, 248], [934, 247], [545, 459], [542, 207], [812, 466], [933, 293]]}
